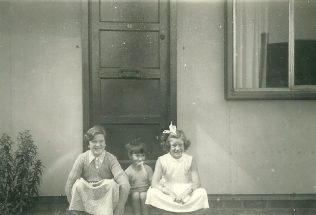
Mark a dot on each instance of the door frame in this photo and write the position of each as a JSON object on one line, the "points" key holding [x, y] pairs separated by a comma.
{"points": [[86, 91]]}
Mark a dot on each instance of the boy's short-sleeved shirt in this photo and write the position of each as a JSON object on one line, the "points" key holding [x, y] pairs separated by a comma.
{"points": [[139, 180]]}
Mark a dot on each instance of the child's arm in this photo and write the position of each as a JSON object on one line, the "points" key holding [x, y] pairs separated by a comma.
{"points": [[195, 183], [150, 174], [157, 175], [128, 173], [74, 174], [121, 178], [195, 175], [156, 179]]}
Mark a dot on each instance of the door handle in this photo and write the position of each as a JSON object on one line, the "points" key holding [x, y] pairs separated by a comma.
{"points": [[129, 73], [162, 36]]}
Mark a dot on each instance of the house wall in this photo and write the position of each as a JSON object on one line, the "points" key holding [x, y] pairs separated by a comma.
{"points": [[240, 146], [41, 81]]}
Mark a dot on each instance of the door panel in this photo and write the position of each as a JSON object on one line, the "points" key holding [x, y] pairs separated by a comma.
{"points": [[129, 97], [130, 72], [129, 49], [129, 11]]}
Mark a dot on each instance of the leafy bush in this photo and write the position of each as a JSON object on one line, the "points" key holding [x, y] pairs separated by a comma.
{"points": [[20, 174]]}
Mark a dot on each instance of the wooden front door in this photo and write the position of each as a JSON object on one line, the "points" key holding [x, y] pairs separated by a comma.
{"points": [[129, 56]]}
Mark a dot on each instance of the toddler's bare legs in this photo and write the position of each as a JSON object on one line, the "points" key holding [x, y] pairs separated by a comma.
{"points": [[136, 203], [144, 207]]}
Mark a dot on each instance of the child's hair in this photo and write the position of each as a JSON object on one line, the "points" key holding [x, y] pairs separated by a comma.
{"points": [[97, 129], [136, 146], [165, 140]]}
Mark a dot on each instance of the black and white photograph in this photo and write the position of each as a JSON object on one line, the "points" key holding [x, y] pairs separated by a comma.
{"points": [[157, 107]]}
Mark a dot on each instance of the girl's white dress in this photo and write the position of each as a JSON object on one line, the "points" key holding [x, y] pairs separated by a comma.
{"points": [[95, 198], [176, 176]]}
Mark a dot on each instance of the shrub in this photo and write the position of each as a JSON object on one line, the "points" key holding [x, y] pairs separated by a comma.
{"points": [[20, 174]]}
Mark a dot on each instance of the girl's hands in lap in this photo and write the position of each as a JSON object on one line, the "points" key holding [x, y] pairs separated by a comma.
{"points": [[168, 192], [181, 198]]}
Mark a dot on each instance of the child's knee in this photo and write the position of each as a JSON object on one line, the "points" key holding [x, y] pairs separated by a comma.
{"points": [[135, 195], [79, 186], [201, 192], [143, 195]]}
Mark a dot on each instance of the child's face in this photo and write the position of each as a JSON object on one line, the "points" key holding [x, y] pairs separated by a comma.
{"points": [[137, 158], [176, 147], [97, 144]]}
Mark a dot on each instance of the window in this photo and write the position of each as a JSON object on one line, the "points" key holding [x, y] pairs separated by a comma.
{"points": [[271, 49]]}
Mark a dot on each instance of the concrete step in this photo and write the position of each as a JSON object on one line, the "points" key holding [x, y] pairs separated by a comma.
{"points": [[223, 205]]}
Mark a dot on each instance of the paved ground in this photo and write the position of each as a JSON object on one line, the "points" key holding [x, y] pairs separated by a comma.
{"points": [[219, 212], [211, 211], [59, 206]]}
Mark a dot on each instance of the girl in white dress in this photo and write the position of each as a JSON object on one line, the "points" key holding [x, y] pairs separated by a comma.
{"points": [[175, 183]]}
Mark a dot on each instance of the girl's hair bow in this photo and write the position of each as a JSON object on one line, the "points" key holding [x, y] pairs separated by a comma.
{"points": [[172, 129]]}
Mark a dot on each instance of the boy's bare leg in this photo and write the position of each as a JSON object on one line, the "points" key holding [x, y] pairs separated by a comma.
{"points": [[136, 203], [144, 207]]}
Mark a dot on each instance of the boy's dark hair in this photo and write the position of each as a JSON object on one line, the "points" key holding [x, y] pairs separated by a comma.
{"points": [[136, 146]]}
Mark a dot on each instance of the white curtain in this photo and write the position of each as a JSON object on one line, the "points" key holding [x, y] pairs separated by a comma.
{"points": [[251, 22]]}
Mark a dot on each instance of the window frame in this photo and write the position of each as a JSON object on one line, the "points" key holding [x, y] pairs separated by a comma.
{"points": [[293, 92]]}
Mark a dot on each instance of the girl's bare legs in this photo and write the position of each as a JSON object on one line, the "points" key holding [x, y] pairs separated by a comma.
{"points": [[136, 203], [144, 207]]}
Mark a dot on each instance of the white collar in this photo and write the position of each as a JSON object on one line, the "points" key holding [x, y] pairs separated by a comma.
{"points": [[92, 157]]}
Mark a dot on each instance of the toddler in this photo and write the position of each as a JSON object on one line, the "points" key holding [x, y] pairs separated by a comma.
{"points": [[139, 176]]}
